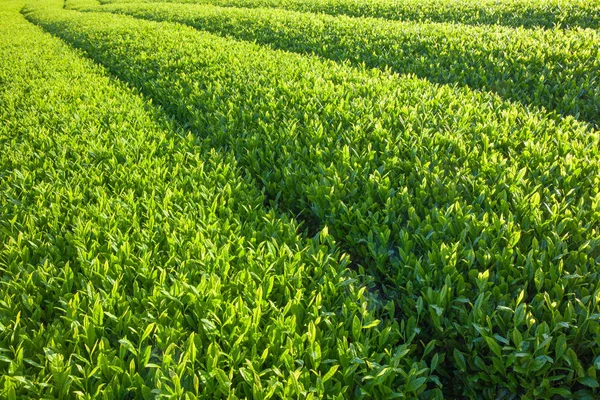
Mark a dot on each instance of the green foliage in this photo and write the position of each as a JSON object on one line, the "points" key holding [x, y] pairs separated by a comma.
{"points": [[136, 262], [554, 69], [449, 243], [525, 13]]}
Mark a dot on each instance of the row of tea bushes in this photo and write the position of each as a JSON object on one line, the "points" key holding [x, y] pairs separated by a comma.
{"points": [[479, 220], [524, 13], [553, 69], [136, 262]]}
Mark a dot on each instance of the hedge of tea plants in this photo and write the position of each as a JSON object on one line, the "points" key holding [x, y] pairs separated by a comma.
{"points": [[137, 262], [555, 69], [476, 219], [188, 215], [525, 13]]}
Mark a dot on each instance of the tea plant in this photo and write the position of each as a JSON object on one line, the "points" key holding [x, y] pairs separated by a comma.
{"points": [[136, 262], [554, 69], [525, 13], [477, 219]]}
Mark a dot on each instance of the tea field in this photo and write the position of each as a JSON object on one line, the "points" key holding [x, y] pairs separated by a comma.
{"points": [[303, 199]]}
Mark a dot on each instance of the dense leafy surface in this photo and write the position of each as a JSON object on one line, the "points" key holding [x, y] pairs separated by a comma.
{"points": [[526, 13], [551, 68], [135, 261], [152, 250]]}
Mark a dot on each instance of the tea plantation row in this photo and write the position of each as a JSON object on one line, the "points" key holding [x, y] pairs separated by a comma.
{"points": [[474, 220], [136, 262], [525, 13], [554, 69]]}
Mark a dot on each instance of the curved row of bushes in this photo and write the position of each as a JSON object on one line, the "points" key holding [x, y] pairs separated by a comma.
{"points": [[524, 13], [136, 262], [553, 69], [479, 220]]}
